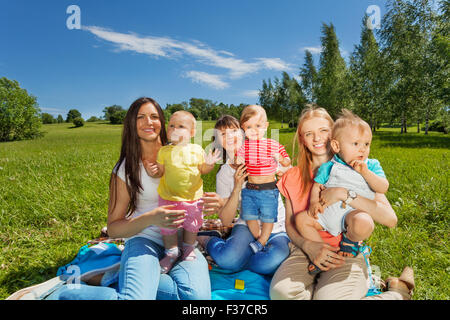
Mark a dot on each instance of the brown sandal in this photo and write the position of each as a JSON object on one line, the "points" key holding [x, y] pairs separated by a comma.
{"points": [[398, 284]]}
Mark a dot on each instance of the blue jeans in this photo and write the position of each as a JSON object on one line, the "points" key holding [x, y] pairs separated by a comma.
{"points": [[140, 278], [234, 254], [260, 205]]}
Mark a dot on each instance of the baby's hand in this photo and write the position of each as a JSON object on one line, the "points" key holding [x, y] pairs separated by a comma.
{"points": [[151, 168], [359, 166], [212, 158], [315, 209], [277, 157]]}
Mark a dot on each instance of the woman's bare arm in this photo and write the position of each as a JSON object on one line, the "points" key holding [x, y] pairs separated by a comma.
{"points": [[228, 211], [379, 209], [121, 227]]}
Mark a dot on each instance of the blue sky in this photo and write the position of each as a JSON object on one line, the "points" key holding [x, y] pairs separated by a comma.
{"points": [[168, 50]]}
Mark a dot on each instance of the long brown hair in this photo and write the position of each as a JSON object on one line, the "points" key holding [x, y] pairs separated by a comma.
{"points": [[131, 153], [304, 158]]}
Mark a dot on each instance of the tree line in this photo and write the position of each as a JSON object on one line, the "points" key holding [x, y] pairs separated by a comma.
{"points": [[398, 75]]}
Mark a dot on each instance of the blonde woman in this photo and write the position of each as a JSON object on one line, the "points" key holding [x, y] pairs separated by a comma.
{"points": [[342, 278]]}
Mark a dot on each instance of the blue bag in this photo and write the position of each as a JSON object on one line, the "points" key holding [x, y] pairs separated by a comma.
{"points": [[92, 260]]}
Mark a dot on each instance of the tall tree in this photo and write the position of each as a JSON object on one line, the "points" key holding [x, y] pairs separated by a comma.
{"points": [[308, 74], [405, 37], [109, 111], [367, 82], [203, 105], [267, 98], [331, 90], [435, 33]]}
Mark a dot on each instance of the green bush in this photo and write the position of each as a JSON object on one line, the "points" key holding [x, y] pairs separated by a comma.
{"points": [[78, 122], [19, 112], [47, 118], [118, 117], [72, 114], [437, 125], [93, 119]]}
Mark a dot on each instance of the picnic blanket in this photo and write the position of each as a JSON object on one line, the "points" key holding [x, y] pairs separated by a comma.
{"points": [[103, 255], [97, 258]]}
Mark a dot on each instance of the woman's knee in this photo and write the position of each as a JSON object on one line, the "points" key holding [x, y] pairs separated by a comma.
{"points": [[267, 261], [287, 290], [192, 279], [234, 253], [200, 291]]}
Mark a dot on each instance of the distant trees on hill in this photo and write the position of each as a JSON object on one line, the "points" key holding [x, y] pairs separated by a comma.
{"points": [[397, 75]]}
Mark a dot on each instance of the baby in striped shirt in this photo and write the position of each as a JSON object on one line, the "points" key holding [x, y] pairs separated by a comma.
{"points": [[259, 198]]}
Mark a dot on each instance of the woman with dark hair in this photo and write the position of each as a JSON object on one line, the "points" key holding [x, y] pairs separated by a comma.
{"points": [[234, 253], [134, 214]]}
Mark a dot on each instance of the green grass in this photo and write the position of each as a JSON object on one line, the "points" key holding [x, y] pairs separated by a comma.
{"points": [[54, 197]]}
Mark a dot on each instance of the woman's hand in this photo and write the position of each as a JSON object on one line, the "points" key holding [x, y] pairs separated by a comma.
{"points": [[212, 203], [323, 255], [166, 217], [328, 196], [239, 176], [151, 168]]}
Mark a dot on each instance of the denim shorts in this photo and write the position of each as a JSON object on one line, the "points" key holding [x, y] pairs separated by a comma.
{"points": [[259, 205]]}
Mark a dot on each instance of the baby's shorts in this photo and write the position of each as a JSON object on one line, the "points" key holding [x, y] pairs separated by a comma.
{"points": [[194, 217], [333, 218], [260, 202]]}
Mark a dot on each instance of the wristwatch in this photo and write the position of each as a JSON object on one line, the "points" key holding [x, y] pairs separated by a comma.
{"points": [[351, 195]]}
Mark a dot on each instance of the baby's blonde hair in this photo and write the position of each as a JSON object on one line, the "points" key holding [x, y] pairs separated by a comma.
{"points": [[251, 111], [186, 113], [348, 119]]}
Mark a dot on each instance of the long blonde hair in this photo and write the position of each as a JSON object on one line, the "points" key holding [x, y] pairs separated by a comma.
{"points": [[304, 158]]}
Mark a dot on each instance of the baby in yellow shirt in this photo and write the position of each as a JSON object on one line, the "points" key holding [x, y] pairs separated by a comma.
{"points": [[180, 166]]}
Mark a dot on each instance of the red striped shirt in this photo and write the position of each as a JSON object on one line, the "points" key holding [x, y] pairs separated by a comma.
{"points": [[258, 156]]}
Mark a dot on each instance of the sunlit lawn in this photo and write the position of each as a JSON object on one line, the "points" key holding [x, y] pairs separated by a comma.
{"points": [[54, 196]]}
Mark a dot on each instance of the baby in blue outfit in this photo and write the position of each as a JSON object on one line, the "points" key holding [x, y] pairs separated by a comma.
{"points": [[349, 168]]}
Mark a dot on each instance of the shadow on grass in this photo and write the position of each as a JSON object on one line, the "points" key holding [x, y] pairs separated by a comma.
{"points": [[30, 276], [413, 140]]}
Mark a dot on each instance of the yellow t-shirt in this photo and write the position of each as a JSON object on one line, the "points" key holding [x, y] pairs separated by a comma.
{"points": [[182, 179]]}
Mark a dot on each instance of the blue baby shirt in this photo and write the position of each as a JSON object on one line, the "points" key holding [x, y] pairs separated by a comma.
{"points": [[324, 170]]}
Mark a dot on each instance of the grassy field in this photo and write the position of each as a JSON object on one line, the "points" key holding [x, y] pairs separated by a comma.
{"points": [[54, 196]]}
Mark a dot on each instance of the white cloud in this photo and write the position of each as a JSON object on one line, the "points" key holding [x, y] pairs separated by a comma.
{"points": [[344, 52], [274, 64], [313, 50], [318, 50], [166, 47], [226, 53], [53, 110], [211, 80], [251, 93], [297, 77]]}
